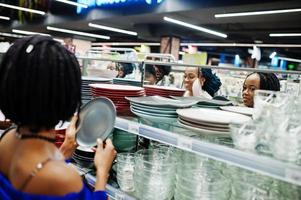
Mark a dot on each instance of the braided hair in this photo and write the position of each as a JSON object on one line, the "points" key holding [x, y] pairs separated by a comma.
{"points": [[40, 83], [268, 81], [212, 82]]}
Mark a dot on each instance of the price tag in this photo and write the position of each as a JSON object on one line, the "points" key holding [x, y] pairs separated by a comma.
{"points": [[133, 128], [185, 143], [119, 196], [293, 174]]}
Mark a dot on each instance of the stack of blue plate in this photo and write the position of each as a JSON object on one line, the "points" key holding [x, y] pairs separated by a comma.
{"points": [[85, 89]]}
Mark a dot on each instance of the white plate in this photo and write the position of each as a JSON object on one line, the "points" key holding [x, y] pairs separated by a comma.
{"points": [[154, 111], [203, 126], [205, 131], [239, 109], [154, 107], [212, 116], [215, 125], [115, 87], [90, 78], [96, 120]]}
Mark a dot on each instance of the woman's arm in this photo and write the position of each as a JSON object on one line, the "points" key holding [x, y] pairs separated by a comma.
{"points": [[104, 156], [69, 145]]}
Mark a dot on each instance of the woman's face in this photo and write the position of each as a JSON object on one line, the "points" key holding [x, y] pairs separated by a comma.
{"points": [[251, 84], [150, 78], [191, 74]]}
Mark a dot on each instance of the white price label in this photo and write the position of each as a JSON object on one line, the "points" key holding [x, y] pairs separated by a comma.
{"points": [[119, 196], [293, 174], [185, 143], [134, 128]]}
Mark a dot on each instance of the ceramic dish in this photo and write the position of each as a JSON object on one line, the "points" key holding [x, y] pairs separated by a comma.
{"points": [[96, 120], [205, 131], [239, 109]]}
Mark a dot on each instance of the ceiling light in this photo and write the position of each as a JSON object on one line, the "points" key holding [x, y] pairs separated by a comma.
{"points": [[4, 18], [290, 59], [126, 43], [22, 9], [264, 12], [78, 33], [112, 29], [199, 28], [258, 41], [11, 35], [285, 34], [273, 55], [240, 45], [73, 3], [29, 32]]}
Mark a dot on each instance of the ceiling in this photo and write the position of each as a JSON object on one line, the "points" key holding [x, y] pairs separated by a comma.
{"points": [[151, 26]]}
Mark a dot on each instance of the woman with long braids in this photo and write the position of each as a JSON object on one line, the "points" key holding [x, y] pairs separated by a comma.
{"points": [[40, 83], [258, 81]]}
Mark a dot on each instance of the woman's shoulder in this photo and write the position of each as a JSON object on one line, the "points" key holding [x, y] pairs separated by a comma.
{"points": [[56, 178]]}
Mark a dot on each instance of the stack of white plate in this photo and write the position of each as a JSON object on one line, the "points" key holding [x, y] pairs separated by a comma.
{"points": [[86, 92], [157, 108], [209, 121]]}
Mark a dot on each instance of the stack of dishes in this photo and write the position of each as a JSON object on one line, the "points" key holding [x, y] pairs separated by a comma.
{"points": [[84, 157], [157, 108], [124, 141], [60, 131], [209, 121], [86, 80], [117, 94], [152, 90], [123, 81], [207, 103], [239, 109]]}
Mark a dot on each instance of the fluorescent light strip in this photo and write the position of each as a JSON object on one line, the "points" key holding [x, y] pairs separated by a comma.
{"points": [[4, 18], [22, 9], [199, 28], [264, 12], [290, 59], [73, 3], [77, 33], [11, 35], [240, 45], [112, 29], [126, 44], [29, 32], [285, 34]]}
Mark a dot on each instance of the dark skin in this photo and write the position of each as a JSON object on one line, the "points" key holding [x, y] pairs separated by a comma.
{"points": [[251, 84]]}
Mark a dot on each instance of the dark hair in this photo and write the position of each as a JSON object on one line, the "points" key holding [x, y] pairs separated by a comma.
{"points": [[40, 83], [150, 70], [268, 81], [212, 82], [164, 69], [127, 68]]}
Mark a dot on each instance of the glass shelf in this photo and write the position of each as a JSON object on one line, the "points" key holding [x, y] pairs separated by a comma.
{"points": [[217, 147]]}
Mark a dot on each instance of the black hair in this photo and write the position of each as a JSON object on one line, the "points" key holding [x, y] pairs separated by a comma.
{"points": [[164, 69], [127, 68], [212, 82], [268, 81], [40, 83], [150, 70]]}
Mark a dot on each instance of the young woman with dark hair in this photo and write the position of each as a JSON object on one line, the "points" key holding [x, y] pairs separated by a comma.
{"points": [[40, 83], [258, 81], [201, 82]]}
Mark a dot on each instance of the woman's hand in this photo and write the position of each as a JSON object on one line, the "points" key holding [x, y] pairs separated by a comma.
{"points": [[69, 144], [104, 156]]}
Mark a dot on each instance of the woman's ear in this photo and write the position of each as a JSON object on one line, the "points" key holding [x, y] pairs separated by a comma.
{"points": [[202, 80]]}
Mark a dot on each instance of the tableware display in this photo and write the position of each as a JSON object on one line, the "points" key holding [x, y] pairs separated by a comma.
{"points": [[164, 91], [239, 109], [84, 157]]}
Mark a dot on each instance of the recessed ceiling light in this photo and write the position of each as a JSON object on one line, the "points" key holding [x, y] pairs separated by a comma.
{"points": [[112, 29], [28, 32], [4, 18], [264, 12], [62, 30], [285, 34], [199, 28], [22, 9], [73, 3], [11, 35]]}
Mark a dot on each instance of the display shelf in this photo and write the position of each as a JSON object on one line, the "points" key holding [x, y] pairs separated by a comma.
{"points": [[172, 134], [114, 193]]}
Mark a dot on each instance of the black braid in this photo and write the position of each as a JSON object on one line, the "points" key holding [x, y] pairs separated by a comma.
{"points": [[212, 82], [41, 87], [268, 81]]}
